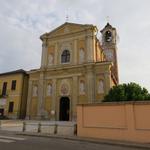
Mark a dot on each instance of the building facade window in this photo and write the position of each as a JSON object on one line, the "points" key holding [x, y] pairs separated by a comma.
{"points": [[13, 85], [108, 36], [11, 107], [4, 88], [65, 57]]}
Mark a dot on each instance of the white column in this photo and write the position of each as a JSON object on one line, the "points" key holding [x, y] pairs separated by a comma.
{"points": [[74, 98], [53, 102], [75, 51], [44, 55], [28, 107]]}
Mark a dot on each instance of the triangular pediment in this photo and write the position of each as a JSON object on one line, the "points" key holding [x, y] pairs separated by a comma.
{"points": [[67, 28]]}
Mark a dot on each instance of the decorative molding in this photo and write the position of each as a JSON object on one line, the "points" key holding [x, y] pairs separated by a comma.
{"points": [[64, 89], [63, 76]]}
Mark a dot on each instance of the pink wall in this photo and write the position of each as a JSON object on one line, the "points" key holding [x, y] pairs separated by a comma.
{"points": [[117, 121]]}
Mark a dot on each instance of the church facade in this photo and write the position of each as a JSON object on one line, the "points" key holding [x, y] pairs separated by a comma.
{"points": [[75, 68]]}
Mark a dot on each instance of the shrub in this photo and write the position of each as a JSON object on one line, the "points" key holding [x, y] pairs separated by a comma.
{"points": [[127, 92]]}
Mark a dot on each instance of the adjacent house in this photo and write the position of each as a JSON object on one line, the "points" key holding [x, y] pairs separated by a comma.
{"points": [[13, 94]]}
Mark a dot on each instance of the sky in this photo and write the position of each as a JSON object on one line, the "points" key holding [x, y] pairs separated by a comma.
{"points": [[23, 21]]}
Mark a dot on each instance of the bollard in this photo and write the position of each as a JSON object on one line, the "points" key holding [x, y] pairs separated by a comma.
{"points": [[55, 129], [24, 127], [39, 127]]}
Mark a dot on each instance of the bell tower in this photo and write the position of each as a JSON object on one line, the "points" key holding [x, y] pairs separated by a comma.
{"points": [[109, 45]]}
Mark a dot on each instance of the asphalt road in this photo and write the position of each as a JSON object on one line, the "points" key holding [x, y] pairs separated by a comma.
{"points": [[15, 142]]}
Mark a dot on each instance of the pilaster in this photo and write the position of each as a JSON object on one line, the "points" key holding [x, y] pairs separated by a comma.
{"points": [[90, 85], [89, 47], [107, 77], [74, 98], [44, 54], [40, 96], [53, 102], [28, 111], [75, 51], [56, 53]]}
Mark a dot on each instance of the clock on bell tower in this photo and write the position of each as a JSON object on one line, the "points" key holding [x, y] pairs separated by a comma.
{"points": [[109, 45]]}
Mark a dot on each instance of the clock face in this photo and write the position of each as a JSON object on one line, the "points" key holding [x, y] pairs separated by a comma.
{"points": [[108, 36]]}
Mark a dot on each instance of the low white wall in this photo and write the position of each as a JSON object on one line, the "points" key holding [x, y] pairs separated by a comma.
{"points": [[60, 128]]}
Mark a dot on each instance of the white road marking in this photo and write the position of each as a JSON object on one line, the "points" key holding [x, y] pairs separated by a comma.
{"points": [[12, 138], [6, 141]]}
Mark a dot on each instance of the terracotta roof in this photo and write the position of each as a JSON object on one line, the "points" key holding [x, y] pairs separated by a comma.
{"points": [[20, 71]]}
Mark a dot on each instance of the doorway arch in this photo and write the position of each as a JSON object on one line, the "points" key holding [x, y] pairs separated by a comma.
{"points": [[64, 109]]}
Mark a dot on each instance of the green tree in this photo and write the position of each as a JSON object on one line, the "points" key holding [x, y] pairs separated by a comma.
{"points": [[127, 92]]}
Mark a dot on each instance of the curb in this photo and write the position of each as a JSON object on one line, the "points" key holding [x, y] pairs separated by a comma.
{"points": [[90, 140]]}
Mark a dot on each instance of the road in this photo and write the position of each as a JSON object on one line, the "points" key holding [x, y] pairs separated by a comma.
{"points": [[15, 142]]}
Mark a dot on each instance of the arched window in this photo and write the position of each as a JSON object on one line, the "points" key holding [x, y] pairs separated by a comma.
{"points": [[65, 57], [108, 36]]}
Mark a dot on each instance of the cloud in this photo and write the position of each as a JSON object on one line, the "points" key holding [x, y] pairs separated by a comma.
{"points": [[22, 22]]}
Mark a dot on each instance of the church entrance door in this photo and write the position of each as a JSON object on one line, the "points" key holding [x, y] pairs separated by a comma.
{"points": [[64, 109]]}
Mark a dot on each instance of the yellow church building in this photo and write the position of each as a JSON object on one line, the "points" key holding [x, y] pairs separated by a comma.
{"points": [[76, 67]]}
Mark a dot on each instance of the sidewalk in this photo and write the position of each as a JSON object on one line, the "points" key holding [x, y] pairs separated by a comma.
{"points": [[90, 140]]}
